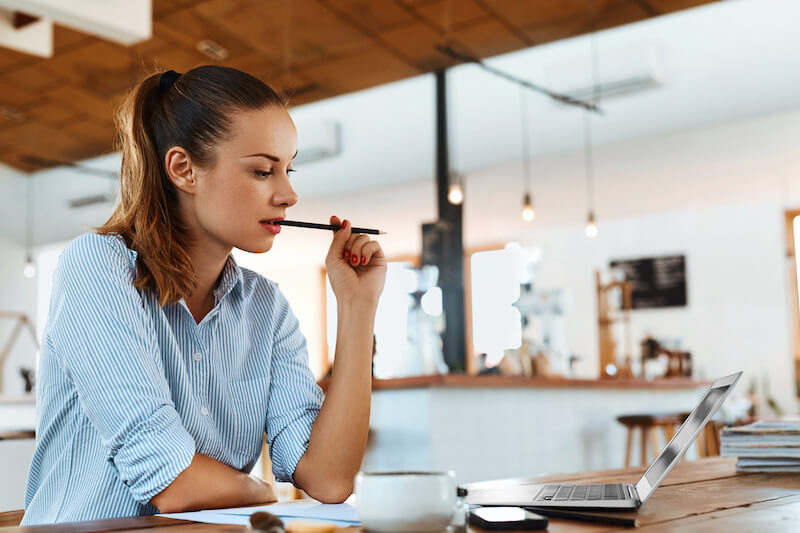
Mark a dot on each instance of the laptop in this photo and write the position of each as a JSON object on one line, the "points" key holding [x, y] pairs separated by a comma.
{"points": [[617, 496]]}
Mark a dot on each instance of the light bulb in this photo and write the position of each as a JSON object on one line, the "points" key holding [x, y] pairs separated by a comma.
{"points": [[591, 226], [30, 269], [455, 195], [528, 212]]}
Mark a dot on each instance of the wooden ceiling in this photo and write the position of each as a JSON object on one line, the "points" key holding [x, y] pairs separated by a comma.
{"points": [[61, 108]]}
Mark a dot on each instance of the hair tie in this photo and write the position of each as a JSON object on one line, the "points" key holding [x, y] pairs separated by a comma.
{"points": [[166, 80]]}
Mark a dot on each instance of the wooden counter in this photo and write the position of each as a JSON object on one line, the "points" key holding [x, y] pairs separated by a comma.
{"points": [[491, 381]]}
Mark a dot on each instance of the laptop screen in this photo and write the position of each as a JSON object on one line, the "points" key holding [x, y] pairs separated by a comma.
{"points": [[687, 433]]}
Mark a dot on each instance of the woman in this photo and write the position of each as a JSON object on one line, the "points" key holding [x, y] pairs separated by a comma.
{"points": [[163, 362]]}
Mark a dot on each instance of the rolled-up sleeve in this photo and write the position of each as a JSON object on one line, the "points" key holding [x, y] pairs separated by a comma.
{"points": [[102, 338], [295, 398]]}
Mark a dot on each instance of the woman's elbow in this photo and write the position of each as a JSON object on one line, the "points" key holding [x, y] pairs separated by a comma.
{"points": [[165, 504], [330, 492]]}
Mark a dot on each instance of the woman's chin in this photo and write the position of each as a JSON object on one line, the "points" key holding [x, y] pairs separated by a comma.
{"points": [[265, 245]]}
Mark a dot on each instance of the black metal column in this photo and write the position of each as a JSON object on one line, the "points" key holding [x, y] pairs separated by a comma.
{"points": [[450, 256]]}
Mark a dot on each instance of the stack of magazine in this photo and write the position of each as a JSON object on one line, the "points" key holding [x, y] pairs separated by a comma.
{"points": [[764, 446]]}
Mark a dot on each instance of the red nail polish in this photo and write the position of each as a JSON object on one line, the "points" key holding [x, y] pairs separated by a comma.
{"points": [[344, 224], [347, 254], [364, 260], [355, 259]]}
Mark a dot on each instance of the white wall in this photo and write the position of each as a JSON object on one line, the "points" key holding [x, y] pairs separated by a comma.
{"points": [[18, 295], [737, 313]]}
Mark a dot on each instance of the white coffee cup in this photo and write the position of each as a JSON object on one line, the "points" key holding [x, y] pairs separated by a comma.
{"points": [[405, 501]]}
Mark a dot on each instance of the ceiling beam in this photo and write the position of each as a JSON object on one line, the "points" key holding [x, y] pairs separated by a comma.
{"points": [[34, 37], [126, 22]]}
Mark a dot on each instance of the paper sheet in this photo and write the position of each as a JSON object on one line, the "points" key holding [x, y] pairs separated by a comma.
{"points": [[341, 514]]}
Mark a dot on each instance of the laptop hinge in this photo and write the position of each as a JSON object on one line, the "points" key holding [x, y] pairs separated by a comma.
{"points": [[634, 494]]}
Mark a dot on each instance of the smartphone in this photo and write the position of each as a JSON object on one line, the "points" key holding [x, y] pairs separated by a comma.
{"points": [[506, 518]]}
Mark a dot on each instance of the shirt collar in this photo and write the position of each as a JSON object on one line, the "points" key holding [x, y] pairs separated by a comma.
{"points": [[230, 279]]}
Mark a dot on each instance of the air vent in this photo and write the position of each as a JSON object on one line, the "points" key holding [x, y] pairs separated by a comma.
{"points": [[612, 88], [621, 71], [318, 141], [87, 201]]}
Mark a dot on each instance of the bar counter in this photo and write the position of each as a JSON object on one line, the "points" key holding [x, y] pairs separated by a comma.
{"points": [[495, 381], [484, 427]]}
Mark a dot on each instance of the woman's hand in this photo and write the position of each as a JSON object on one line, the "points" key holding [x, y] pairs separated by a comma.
{"points": [[263, 491], [356, 266]]}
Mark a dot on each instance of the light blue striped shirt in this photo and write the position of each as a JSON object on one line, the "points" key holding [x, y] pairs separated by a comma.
{"points": [[128, 391]]}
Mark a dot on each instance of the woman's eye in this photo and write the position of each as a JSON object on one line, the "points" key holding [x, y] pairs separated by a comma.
{"points": [[262, 173]]}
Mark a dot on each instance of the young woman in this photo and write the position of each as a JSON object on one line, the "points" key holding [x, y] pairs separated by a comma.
{"points": [[163, 362]]}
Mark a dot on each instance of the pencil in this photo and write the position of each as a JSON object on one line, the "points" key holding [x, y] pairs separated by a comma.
{"points": [[333, 227], [584, 517]]}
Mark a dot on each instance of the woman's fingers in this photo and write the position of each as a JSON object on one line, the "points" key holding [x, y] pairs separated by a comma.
{"points": [[357, 249], [340, 237], [354, 245], [368, 250]]}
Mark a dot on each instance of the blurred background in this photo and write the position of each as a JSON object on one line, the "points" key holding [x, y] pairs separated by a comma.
{"points": [[589, 204]]}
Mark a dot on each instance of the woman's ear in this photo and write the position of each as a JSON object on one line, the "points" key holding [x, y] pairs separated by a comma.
{"points": [[179, 169]]}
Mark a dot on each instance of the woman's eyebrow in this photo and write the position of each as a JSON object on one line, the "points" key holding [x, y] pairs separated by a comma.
{"points": [[268, 156]]}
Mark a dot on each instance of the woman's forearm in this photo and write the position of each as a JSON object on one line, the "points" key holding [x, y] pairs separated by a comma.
{"points": [[339, 436], [208, 484]]}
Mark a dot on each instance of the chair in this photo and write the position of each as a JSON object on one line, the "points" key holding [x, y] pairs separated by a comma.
{"points": [[707, 442], [649, 426]]}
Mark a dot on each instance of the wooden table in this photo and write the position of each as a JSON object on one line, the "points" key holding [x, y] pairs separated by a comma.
{"points": [[706, 495]]}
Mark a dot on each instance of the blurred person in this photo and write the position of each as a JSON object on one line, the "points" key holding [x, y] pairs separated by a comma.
{"points": [[163, 362]]}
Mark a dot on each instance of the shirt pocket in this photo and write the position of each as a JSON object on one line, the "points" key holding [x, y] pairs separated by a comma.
{"points": [[250, 415]]}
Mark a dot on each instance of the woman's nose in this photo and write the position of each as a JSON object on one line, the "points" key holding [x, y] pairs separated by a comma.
{"points": [[286, 195]]}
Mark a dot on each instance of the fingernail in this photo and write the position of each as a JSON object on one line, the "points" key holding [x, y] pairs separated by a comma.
{"points": [[355, 259], [344, 224], [346, 255], [364, 260]]}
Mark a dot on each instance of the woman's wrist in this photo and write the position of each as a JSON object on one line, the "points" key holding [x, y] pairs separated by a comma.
{"points": [[356, 307], [261, 491]]}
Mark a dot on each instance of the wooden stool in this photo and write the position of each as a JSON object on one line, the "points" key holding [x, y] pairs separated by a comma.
{"points": [[11, 518], [648, 426]]}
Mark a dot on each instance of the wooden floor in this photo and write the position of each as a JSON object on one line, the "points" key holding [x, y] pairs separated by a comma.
{"points": [[698, 496]]}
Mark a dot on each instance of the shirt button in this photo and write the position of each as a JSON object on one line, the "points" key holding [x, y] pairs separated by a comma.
{"points": [[197, 356], [204, 411]]}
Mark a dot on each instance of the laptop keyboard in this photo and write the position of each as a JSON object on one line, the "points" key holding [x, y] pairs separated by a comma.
{"points": [[582, 493]]}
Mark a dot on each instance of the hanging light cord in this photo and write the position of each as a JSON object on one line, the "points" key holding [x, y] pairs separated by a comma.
{"points": [[526, 156], [587, 158], [28, 217], [587, 126]]}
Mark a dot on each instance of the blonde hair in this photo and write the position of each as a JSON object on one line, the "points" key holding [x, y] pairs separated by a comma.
{"points": [[194, 112]]}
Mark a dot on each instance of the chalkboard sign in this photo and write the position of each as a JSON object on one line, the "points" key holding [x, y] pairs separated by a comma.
{"points": [[657, 281]]}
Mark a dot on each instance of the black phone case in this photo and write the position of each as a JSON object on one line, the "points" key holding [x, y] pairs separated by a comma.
{"points": [[528, 524]]}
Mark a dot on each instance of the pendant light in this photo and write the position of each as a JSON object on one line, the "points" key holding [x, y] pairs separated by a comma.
{"points": [[455, 192], [591, 224], [29, 271], [528, 213]]}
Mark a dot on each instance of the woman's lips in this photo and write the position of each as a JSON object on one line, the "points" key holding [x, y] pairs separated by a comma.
{"points": [[273, 228]]}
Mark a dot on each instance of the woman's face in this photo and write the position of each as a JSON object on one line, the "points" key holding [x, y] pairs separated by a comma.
{"points": [[249, 183]]}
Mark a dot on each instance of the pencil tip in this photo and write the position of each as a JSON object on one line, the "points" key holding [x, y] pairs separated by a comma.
{"points": [[383, 233]]}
